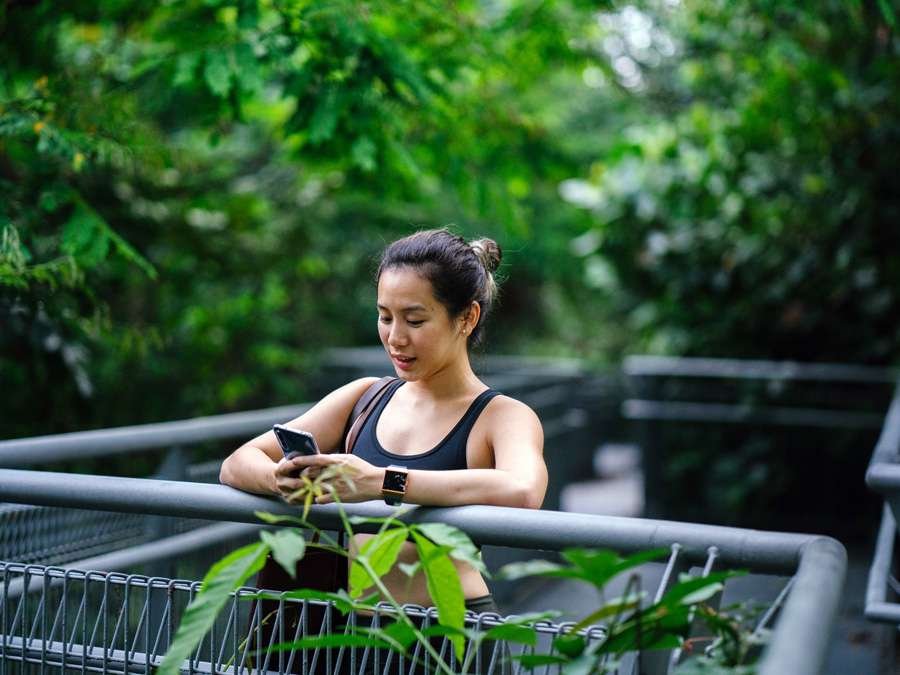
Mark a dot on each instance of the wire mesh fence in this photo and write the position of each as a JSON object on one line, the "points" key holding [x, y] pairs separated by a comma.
{"points": [[63, 621]]}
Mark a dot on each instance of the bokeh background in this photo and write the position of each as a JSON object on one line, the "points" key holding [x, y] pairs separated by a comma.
{"points": [[193, 197]]}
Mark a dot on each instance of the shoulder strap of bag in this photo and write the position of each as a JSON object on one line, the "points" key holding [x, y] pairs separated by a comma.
{"points": [[363, 408]]}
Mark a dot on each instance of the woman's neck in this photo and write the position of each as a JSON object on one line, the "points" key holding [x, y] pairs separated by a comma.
{"points": [[455, 380]]}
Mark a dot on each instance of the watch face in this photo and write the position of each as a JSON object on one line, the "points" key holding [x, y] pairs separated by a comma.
{"points": [[395, 480]]}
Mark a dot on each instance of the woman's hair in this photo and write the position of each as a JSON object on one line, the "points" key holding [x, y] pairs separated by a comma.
{"points": [[460, 272]]}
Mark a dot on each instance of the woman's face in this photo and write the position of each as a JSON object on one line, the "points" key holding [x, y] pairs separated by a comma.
{"points": [[416, 330]]}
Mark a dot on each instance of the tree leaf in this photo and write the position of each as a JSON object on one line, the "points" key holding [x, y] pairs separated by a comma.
{"points": [[598, 566], [288, 546], [274, 519], [685, 590], [511, 632], [615, 606], [581, 665], [217, 73], [185, 69], [401, 632], [381, 552], [325, 117], [84, 236], [888, 13], [247, 69], [531, 568], [225, 576], [330, 640], [363, 153], [410, 569], [570, 645], [461, 546], [444, 587]]}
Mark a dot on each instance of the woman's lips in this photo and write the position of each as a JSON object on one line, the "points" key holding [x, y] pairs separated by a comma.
{"points": [[402, 362]]}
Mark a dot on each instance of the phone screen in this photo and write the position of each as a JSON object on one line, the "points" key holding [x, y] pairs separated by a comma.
{"points": [[294, 442]]}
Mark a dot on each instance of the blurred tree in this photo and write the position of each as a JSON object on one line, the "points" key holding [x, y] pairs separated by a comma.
{"points": [[187, 191], [750, 209], [746, 206]]}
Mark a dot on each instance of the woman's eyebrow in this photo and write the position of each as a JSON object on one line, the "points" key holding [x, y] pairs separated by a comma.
{"points": [[409, 308]]}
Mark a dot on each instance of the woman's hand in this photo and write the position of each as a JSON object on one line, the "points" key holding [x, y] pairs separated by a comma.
{"points": [[348, 477]]}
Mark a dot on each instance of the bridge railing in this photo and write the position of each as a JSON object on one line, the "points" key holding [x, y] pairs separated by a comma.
{"points": [[559, 391], [757, 396], [801, 618], [883, 476]]}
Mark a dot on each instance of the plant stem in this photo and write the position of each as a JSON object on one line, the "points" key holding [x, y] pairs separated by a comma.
{"points": [[426, 644]]}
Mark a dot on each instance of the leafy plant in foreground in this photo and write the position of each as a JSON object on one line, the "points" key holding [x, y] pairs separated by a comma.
{"points": [[629, 625]]}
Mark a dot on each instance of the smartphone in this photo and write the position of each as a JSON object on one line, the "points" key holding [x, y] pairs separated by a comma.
{"points": [[295, 442]]}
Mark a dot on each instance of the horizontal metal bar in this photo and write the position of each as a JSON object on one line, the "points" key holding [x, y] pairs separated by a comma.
{"points": [[668, 366], [681, 411], [502, 526], [799, 641], [373, 359], [36, 450]]}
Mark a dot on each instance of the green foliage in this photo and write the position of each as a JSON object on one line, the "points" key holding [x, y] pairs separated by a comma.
{"points": [[287, 547], [189, 193], [663, 624], [222, 579], [745, 213]]}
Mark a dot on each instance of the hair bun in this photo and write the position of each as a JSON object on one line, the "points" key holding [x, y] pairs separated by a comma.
{"points": [[488, 252]]}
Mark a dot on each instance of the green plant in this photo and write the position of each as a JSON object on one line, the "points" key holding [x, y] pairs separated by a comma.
{"points": [[663, 624]]}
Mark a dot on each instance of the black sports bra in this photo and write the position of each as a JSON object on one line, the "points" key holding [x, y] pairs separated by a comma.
{"points": [[449, 454]]}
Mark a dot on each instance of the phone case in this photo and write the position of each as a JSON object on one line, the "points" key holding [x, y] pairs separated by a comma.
{"points": [[294, 442]]}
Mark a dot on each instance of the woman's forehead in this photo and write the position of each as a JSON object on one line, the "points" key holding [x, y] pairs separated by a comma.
{"points": [[403, 286]]}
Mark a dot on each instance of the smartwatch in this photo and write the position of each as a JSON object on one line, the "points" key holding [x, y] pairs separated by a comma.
{"points": [[394, 487]]}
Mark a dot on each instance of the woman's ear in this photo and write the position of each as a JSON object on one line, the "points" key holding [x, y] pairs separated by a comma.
{"points": [[470, 318]]}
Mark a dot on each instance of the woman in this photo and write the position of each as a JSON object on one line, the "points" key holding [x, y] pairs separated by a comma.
{"points": [[457, 440]]}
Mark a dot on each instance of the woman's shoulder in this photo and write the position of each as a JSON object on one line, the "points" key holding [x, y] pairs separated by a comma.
{"points": [[356, 388], [348, 394], [504, 409]]}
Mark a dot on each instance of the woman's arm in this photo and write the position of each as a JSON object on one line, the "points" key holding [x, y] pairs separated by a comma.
{"points": [[519, 478], [258, 465]]}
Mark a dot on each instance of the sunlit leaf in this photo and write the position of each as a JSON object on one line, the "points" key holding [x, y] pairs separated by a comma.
{"points": [[288, 546], [225, 576], [461, 546], [444, 587], [381, 552]]}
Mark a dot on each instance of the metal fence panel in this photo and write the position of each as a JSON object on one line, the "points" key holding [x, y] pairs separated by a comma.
{"points": [[800, 637]]}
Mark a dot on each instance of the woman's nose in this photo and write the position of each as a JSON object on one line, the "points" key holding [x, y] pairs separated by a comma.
{"points": [[397, 336]]}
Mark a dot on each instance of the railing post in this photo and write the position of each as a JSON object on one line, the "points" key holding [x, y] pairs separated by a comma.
{"points": [[650, 440]]}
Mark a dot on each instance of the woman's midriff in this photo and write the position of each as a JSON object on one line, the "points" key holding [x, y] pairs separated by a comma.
{"points": [[415, 590]]}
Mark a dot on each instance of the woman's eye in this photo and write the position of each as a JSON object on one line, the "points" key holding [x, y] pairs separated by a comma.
{"points": [[384, 319], [415, 322]]}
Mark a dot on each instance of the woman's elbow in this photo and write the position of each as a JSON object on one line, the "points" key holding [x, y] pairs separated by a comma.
{"points": [[527, 496], [226, 472]]}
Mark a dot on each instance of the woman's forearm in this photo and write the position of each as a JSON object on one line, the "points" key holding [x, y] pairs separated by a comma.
{"points": [[250, 469], [473, 486]]}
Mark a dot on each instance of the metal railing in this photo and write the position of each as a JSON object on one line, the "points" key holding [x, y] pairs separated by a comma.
{"points": [[654, 401], [54, 536], [805, 611], [883, 476]]}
